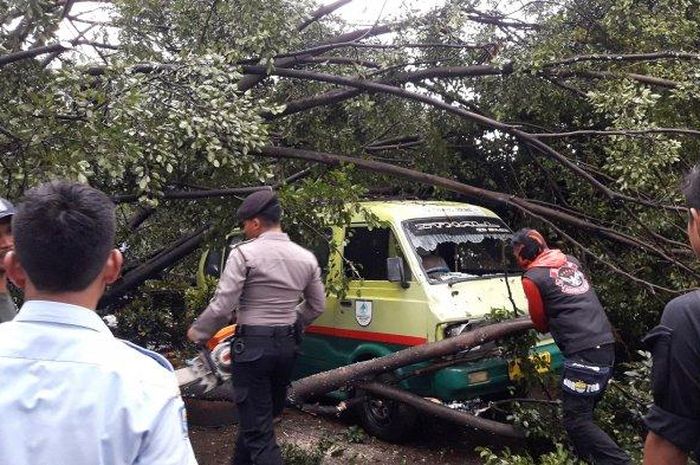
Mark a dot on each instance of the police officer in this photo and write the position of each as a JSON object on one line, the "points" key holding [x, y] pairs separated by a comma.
{"points": [[260, 289], [561, 300], [71, 392], [8, 309]]}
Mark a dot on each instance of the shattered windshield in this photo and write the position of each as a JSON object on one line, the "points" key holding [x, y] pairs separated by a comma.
{"points": [[453, 248]]}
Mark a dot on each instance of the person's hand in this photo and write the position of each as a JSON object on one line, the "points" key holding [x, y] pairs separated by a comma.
{"points": [[192, 335]]}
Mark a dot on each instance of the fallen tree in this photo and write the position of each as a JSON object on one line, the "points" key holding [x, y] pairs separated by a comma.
{"points": [[359, 376], [327, 381], [357, 373], [441, 411]]}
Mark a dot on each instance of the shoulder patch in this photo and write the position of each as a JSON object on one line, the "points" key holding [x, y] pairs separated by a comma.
{"points": [[162, 361]]}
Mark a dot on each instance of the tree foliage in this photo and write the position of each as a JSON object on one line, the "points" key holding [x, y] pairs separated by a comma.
{"points": [[575, 117]]}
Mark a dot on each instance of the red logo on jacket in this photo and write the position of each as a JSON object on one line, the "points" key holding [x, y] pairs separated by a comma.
{"points": [[569, 279]]}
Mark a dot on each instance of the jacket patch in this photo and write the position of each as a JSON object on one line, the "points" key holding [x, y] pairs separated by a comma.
{"points": [[569, 279], [581, 387]]}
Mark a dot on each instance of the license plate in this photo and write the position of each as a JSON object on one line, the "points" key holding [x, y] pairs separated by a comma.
{"points": [[541, 360]]}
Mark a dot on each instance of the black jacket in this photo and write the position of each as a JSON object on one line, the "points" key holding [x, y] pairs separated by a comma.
{"points": [[577, 320]]}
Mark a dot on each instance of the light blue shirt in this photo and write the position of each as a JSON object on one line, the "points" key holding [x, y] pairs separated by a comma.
{"points": [[73, 394]]}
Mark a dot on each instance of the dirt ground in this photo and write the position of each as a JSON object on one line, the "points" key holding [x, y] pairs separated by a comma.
{"points": [[437, 443]]}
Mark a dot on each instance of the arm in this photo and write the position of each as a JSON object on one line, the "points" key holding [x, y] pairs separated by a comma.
{"points": [[658, 451], [167, 442], [535, 306], [228, 292], [314, 299]]}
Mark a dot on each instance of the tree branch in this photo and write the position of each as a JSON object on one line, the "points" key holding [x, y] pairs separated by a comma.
{"points": [[616, 132], [53, 48], [249, 81], [141, 215], [321, 12], [423, 45], [332, 97], [10, 134], [342, 61], [644, 79], [442, 411], [483, 120], [670, 55], [328, 381], [343, 40], [523, 136], [210, 193], [499, 20], [161, 261], [498, 198], [31, 53]]}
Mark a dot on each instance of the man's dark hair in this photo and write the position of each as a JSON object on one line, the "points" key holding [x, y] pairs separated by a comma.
{"points": [[270, 217], [532, 242], [63, 235], [691, 187]]}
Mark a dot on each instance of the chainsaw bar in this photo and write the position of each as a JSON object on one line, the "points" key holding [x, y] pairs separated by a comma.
{"points": [[206, 371]]}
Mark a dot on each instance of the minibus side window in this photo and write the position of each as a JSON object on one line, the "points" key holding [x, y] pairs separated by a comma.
{"points": [[212, 265], [367, 250]]}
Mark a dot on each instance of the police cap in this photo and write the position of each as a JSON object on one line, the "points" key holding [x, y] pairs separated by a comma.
{"points": [[6, 208], [261, 203]]}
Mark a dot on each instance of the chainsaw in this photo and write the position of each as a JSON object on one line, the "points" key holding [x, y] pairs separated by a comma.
{"points": [[211, 367]]}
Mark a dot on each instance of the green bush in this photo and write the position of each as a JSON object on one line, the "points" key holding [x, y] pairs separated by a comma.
{"points": [[158, 315], [560, 456]]}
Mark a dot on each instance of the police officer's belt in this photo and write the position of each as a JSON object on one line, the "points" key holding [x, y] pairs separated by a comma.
{"points": [[270, 331]]}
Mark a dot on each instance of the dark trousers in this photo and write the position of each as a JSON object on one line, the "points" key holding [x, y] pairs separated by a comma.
{"points": [[261, 370], [590, 442]]}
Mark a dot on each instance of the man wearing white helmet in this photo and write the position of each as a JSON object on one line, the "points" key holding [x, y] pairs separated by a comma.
{"points": [[8, 309]]}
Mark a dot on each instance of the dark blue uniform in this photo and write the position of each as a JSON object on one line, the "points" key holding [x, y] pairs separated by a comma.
{"points": [[675, 347]]}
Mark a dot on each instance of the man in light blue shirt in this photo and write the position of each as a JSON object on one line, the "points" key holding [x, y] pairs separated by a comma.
{"points": [[71, 393]]}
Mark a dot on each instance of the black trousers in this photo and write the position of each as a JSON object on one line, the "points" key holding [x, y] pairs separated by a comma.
{"points": [[261, 370], [590, 442]]}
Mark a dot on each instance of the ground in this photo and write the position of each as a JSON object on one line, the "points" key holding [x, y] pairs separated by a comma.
{"points": [[303, 436]]}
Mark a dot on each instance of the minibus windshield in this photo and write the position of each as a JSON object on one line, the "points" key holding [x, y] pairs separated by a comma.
{"points": [[453, 248]]}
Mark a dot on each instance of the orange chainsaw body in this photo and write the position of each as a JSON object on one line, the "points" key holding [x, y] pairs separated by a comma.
{"points": [[224, 333]]}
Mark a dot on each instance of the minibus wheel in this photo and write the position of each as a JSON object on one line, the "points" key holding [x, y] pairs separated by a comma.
{"points": [[387, 419]]}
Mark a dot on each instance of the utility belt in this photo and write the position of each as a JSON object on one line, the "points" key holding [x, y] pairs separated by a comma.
{"points": [[295, 330], [264, 331]]}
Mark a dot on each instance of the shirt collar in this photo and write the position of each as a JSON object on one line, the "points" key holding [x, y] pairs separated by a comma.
{"points": [[274, 235], [45, 311]]}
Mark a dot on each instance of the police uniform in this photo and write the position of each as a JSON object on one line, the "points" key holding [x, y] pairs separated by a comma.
{"points": [[72, 393], [260, 289]]}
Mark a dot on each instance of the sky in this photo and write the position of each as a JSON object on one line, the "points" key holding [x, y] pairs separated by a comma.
{"points": [[357, 13], [367, 11]]}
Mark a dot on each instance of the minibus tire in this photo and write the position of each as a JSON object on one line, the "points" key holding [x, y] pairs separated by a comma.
{"points": [[387, 420]]}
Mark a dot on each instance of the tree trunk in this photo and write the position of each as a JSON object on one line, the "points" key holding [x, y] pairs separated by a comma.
{"points": [[137, 276], [440, 411], [322, 383]]}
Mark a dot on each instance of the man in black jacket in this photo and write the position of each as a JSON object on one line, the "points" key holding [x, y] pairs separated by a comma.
{"points": [[674, 419], [562, 301]]}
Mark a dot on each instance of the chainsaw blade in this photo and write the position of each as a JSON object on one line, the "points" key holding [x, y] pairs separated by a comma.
{"points": [[195, 379]]}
